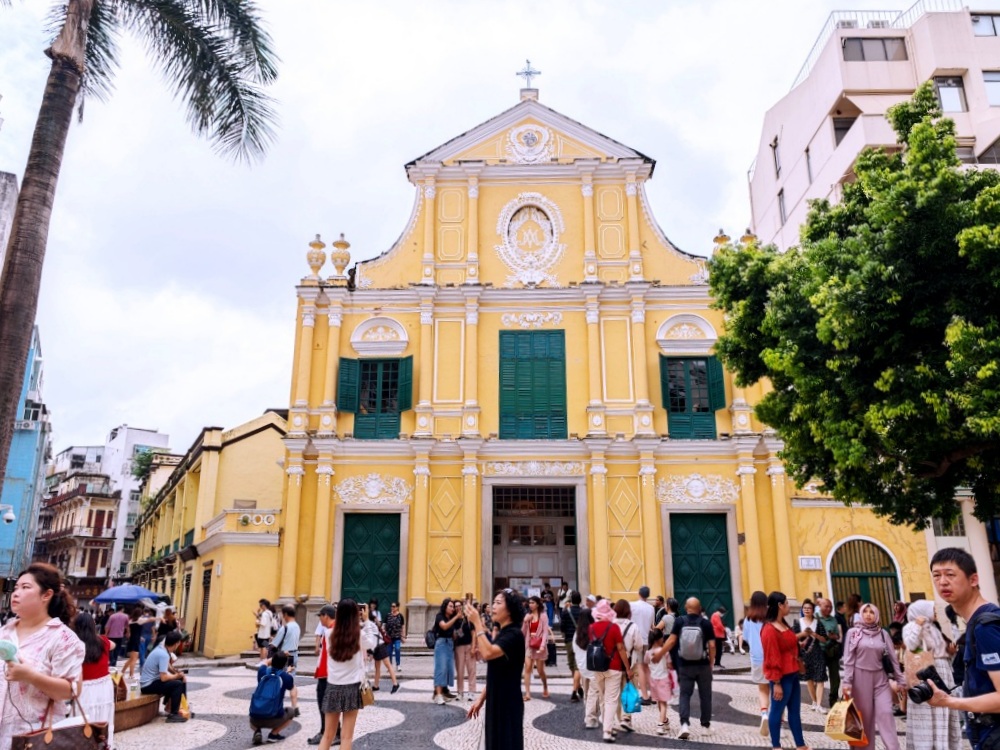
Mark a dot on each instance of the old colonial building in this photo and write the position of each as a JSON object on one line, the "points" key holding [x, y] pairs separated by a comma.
{"points": [[523, 388]]}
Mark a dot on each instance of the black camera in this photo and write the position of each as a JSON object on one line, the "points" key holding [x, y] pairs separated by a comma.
{"points": [[921, 692]]}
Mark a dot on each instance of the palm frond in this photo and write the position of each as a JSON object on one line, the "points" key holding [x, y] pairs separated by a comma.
{"points": [[241, 20], [211, 70]]}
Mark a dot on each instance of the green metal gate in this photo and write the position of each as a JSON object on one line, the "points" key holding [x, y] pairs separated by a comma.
{"points": [[865, 568], [371, 558], [699, 548]]}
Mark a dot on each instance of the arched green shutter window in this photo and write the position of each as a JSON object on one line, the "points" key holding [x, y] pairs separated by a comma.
{"points": [[348, 384]]}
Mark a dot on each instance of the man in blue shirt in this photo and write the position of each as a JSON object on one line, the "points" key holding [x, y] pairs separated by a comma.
{"points": [[158, 677], [281, 717], [287, 639], [957, 582]]}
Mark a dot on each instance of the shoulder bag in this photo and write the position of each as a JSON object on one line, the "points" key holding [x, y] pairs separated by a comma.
{"points": [[86, 736]]}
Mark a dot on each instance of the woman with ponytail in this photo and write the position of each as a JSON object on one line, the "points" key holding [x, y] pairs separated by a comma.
{"points": [[49, 661], [97, 695]]}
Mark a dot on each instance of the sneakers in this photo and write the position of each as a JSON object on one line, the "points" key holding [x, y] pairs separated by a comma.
{"points": [[299, 713], [461, 697], [175, 719], [627, 727], [439, 699], [258, 738], [590, 726], [394, 688], [661, 729], [765, 730], [315, 739], [818, 708], [275, 737], [684, 733], [707, 730], [608, 737], [646, 701]]}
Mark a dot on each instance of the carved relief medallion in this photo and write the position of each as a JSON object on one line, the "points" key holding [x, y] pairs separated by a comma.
{"points": [[695, 488], [529, 144], [529, 227], [373, 488]]}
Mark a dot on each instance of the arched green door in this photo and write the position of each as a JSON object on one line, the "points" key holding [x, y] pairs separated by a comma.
{"points": [[864, 568]]}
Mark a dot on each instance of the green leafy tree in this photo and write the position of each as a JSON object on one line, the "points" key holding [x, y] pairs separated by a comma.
{"points": [[881, 333], [216, 56]]}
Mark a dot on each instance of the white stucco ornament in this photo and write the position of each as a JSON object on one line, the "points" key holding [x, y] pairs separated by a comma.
{"points": [[530, 227], [373, 488], [379, 337], [695, 488], [529, 144], [534, 468], [531, 320]]}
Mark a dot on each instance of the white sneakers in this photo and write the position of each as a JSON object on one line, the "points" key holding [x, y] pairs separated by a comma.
{"points": [[707, 731], [684, 733], [818, 708], [439, 699], [661, 728], [765, 730]]}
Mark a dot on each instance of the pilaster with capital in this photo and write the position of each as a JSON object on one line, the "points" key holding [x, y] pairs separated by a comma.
{"points": [[634, 255], [472, 255], [643, 409], [425, 378], [427, 270], [307, 320], [321, 529], [779, 503], [751, 523], [589, 231], [419, 522], [328, 409], [471, 515], [601, 568], [295, 473], [651, 543], [470, 411], [596, 423], [741, 412]]}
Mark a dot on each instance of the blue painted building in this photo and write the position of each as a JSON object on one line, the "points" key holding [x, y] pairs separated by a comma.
{"points": [[25, 478]]}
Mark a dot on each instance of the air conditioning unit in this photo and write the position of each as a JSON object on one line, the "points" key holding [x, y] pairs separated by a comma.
{"points": [[847, 23], [881, 24]]}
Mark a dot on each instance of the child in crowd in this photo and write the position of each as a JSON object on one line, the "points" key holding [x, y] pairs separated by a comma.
{"points": [[661, 686]]}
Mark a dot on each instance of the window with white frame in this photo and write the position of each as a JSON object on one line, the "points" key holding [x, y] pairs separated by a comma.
{"points": [[951, 93], [991, 78], [942, 528], [986, 25]]}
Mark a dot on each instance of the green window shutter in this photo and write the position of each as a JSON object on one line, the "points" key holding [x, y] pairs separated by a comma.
{"points": [[556, 367], [703, 426], [680, 426], [508, 385], [366, 426], [405, 384], [348, 384], [716, 384], [664, 383]]}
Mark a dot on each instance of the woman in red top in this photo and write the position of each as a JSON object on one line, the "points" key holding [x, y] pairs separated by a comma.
{"points": [[609, 684], [536, 635], [781, 668], [97, 696]]}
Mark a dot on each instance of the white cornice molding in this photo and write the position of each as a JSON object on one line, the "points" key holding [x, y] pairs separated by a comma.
{"points": [[237, 539]]}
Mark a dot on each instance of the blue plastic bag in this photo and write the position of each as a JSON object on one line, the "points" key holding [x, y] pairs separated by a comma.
{"points": [[631, 703]]}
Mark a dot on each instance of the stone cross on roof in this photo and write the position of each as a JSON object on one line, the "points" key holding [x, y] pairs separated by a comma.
{"points": [[528, 73]]}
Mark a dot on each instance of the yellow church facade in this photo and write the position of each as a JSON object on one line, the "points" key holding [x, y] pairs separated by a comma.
{"points": [[522, 390]]}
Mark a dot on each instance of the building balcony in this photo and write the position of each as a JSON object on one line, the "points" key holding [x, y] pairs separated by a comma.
{"points": [[89, 532], [237, 521]]}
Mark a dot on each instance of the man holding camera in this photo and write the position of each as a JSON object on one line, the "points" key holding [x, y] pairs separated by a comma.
{"points": [[957, 582]]}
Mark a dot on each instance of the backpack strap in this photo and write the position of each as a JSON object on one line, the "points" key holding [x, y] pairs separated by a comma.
{"points": [[987, 618]]}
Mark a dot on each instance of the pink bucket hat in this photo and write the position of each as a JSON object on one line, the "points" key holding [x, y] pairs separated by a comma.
{"points": [[603, 611]]}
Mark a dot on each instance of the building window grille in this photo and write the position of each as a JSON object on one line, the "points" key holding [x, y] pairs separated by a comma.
{"points": [[955, 528], [951, 93], [543, 502]]}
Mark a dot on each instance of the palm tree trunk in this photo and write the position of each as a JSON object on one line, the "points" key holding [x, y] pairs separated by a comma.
{"points": [[22, 270]]}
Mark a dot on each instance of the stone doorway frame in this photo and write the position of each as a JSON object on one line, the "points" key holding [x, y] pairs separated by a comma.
{"points": [[339, 511], [732, 542]]}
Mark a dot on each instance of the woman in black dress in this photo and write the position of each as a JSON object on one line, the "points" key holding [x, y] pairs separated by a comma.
{"points": [[504, 657]]}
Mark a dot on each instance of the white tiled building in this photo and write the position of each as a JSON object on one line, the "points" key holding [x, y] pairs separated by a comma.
{"points": [[863, 62]]}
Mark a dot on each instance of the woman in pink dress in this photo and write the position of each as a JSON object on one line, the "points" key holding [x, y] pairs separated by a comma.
{"points": [[49, 662], [865, 680], [536, 635]]}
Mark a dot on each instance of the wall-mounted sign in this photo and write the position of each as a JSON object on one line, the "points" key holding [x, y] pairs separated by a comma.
{"points": [[810, 562]]}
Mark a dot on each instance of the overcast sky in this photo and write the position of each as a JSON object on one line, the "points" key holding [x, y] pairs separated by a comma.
{"points": [[168, 298]]}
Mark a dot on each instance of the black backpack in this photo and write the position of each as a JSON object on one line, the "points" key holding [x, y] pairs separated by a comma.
{"points": [[597, 658]]}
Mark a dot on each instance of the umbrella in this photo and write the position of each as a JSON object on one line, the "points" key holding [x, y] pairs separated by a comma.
{"points": [[127, 593]]}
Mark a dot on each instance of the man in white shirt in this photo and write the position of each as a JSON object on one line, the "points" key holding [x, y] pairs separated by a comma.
{"points": [[642, 615]]}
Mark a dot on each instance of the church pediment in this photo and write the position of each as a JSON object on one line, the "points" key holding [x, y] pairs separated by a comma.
{"points": [[527, 134]]}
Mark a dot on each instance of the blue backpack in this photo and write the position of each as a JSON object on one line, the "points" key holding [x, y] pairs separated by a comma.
{"points": [[268, 698]]}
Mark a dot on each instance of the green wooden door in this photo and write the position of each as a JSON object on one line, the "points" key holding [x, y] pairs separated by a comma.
{"points": [[862, 567], [700, 553], [371, 558]]}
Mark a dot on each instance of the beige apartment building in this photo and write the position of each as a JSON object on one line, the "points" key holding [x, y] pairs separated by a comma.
{"points": [[862, 63]]}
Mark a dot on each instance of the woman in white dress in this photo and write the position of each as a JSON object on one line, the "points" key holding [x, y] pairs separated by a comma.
{"points": [[97, 696], [929, 728]]}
